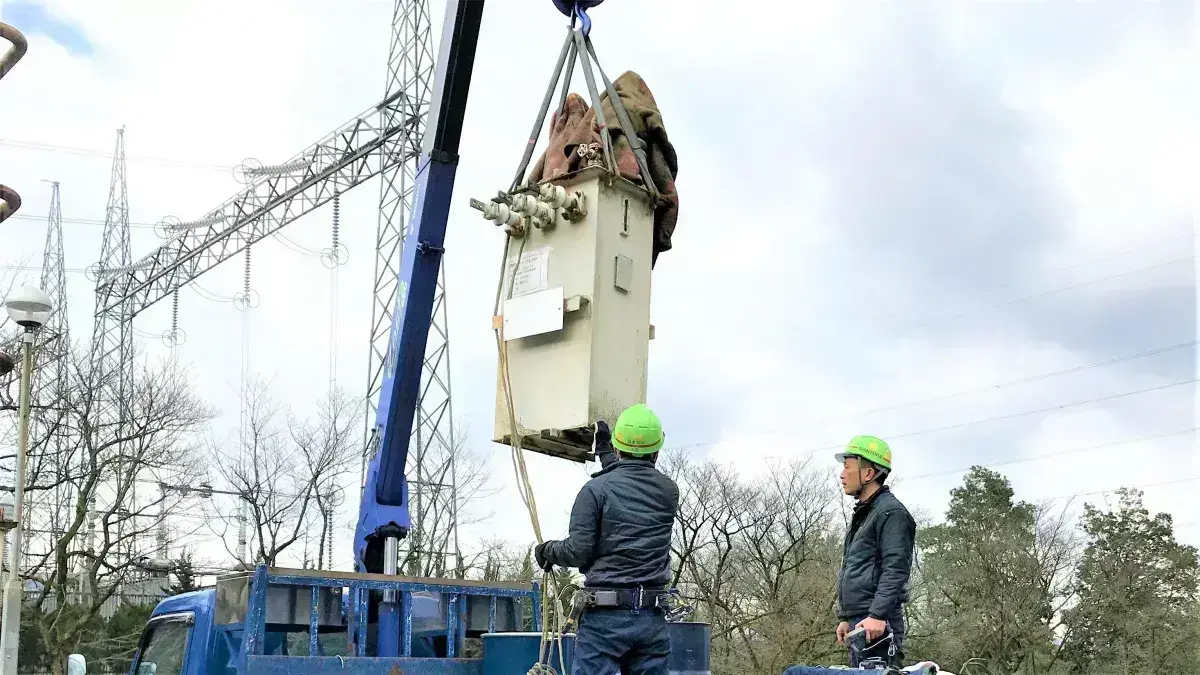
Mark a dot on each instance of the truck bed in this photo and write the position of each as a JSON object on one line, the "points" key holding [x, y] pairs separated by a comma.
{"points": [[444, 612], [301, 665]]}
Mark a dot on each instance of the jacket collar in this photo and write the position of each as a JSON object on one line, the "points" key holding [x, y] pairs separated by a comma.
{"points": [[861, 509], [623, 464]]}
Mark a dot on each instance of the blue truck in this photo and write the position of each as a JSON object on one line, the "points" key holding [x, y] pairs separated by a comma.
{"points": [[373, 621], [297, 622], [306, 621]]}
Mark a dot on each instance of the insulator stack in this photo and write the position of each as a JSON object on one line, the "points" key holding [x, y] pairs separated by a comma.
{"points": [[337, 207], [174, 337], [278, 169], [198, 224]]}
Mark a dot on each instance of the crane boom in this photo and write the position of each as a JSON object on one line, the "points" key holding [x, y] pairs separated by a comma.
{"points": [[383, 512]]}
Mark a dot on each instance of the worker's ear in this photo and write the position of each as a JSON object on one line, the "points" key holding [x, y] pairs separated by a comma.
{"points": [[869, 471]]}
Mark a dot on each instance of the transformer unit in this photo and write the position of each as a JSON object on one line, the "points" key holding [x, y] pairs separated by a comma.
{"points": [[575, 310]]}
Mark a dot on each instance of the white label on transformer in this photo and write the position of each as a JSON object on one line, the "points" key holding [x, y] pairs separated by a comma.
{"points": [[533, 274], [533, 314]]}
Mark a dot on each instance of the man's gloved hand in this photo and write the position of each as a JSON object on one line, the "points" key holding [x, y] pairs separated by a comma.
{"points": [[603, 434], [602, 447], [539, 556]]}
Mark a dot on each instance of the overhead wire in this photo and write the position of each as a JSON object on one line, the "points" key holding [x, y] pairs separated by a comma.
{"points": [[1152, 243], [87, 152], [83, 221], [1058, 453], [207, 294], [949, 396], [1023, 413], [1142, 486], [293, 246], [892, 328]]}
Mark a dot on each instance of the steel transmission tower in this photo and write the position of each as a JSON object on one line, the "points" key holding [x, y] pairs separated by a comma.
{"points": [[51, 377], [112, 336], [111, 368], [407, 97], [385, 140], [54, 281]]}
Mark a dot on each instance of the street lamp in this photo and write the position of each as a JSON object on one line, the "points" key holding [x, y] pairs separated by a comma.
{"points": [[30, 308]]}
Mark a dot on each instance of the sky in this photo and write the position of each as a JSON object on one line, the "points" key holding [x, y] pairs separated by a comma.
{"points": [[967, 228]]}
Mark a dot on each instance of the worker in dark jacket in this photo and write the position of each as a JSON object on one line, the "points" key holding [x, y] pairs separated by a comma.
{"points": [[878, 554], [620, 539]]}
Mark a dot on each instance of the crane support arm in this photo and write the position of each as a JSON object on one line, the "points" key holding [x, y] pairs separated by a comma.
{"points": [[383, 513]]}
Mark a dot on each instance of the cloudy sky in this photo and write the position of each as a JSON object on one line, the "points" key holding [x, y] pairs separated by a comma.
{"points": [[960, 226]]}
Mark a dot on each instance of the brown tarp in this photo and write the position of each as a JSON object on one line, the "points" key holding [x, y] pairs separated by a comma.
{"points": [[577, 126]]}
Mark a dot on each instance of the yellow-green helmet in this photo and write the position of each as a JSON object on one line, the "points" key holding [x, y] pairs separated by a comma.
{"points": [[870, 448], [638, 431]]}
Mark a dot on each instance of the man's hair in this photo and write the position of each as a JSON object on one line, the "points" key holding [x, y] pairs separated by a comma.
{"points": [[652, 457]]}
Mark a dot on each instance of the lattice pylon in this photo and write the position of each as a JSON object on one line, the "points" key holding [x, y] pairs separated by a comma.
{"points": [[411, 62], [112, 336], [48, 509]]}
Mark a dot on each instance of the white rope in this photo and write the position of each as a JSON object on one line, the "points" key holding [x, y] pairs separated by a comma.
{"points": [[550, 635]]}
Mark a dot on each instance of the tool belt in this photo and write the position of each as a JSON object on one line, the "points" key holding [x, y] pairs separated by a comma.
{"points": [[635, 599]]}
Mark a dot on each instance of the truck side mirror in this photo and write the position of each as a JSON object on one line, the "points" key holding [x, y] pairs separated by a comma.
{"points": [[76, 665]]}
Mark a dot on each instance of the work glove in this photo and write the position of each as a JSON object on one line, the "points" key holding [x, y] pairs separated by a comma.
{"points": [[603, 435], [539, 556], [602, 447]]}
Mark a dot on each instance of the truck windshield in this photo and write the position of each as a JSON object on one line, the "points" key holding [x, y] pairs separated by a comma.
{"points": [[164, 647]]}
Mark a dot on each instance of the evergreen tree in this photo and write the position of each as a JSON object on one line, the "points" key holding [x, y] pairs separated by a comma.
{"points": [[184, 572], [1137, 610]]}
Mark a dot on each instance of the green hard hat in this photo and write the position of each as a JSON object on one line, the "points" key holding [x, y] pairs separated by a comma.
{"points": [[638, 431], [870, 448]]}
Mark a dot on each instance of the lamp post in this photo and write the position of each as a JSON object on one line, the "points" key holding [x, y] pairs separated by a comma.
{"points": [[30, 308]]}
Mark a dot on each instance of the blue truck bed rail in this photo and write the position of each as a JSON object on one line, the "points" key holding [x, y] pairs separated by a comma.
{"points": [[460, 606]]}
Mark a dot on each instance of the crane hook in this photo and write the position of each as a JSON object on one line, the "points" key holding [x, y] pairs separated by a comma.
{"points": [[578, 8]]}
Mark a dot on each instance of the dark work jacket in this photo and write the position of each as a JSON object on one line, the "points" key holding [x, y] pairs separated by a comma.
{"points": [[877, 558], [620, 533]]}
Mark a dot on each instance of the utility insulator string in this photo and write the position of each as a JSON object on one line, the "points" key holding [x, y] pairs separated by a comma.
{"points": [[333, 260]]}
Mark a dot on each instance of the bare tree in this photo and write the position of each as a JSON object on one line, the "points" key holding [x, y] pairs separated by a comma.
{"points": [[758, 559], [286, 471], [446, 483], [96, 474]]}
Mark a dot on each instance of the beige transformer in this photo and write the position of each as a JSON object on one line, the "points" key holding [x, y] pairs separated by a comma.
{"points": [[576, 324]]}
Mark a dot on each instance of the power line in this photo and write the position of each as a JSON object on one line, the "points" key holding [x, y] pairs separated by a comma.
{"points": [[966, 392], [1024, 413], [998, 418], [1000, 385], [79, 221], [1038, 458], [1043, 294], [103, 154], [38, 268], [1107, 256], [1175, 481]]}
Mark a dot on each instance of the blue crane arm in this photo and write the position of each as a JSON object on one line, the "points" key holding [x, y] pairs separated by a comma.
{"points": [[383, 512]]}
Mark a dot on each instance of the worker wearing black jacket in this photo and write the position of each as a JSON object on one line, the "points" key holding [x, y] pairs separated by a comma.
{"points": [[620, 539], [877, 558]]}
